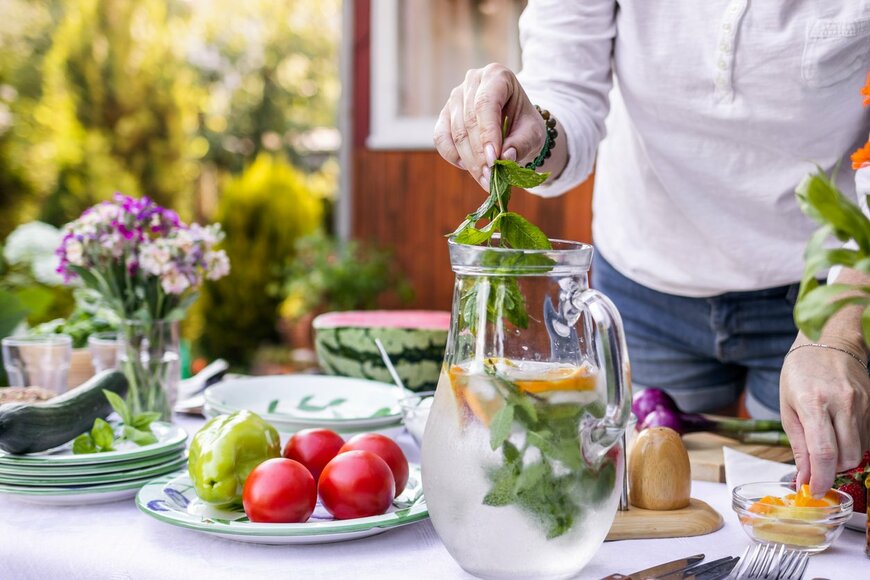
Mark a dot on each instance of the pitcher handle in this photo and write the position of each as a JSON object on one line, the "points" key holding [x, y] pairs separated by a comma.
{"points": [[598, 435]]}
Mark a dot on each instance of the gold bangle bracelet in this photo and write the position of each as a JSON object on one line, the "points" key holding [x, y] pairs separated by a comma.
{"points": [[863, 363]]}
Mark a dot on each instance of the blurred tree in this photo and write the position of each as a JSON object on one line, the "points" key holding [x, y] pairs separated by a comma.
{"points": [[272, 76], [24, 37], [263, 212], [118, 110]]}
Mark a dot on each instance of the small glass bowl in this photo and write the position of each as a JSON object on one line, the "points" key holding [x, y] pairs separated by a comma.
{"points": [[807, 529], [415, 411]]}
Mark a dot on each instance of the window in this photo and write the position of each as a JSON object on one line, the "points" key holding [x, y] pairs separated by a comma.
{"points": [[421, 49]]}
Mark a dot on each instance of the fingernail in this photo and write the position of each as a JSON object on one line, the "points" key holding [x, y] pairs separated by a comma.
{"points": [[510, 154], [489, 150], [460, 164], [484, 181], [487, 173]]}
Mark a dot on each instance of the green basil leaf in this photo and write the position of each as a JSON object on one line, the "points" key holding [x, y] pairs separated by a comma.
{"points": [[520, 176], [475, 237], [814, 309], [503, 483], [500, 426], [472, 218], [139, 437], [821, 200], [83, 444], [102, 434], [515, 307], [119, 406], [520, 233], [531, 475], [144, 420]]}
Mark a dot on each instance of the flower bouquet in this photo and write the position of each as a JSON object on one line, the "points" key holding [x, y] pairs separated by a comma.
{"points": [[147, 265]]}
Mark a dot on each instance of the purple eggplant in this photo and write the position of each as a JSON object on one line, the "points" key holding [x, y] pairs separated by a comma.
{"points": [[648, 400], [655, 408]]}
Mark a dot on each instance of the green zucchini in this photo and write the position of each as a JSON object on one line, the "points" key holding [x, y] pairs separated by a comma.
{"points": [[29, 428]]}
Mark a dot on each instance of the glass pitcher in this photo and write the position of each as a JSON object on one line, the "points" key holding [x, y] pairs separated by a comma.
{"points": [[521, 462]]}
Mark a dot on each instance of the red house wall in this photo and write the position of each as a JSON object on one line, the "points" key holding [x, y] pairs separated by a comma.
{"points": [[408, 200]]}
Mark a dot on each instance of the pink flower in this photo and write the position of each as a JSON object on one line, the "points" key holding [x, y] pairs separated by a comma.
{"points": [[217, 264], [174, 282], [154, 258]]}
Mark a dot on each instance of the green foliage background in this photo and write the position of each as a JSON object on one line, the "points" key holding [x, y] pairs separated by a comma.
{"points": [[263, 212], [207, 106], [156, 97]]}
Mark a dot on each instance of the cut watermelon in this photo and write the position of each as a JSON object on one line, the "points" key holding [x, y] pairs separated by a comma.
{"points": [[414, 339]]}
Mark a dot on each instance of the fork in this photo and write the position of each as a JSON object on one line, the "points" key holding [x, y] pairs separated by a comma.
{"points": [[766, 561]]}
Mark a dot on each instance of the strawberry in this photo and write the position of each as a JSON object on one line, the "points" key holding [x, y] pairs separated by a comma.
{"points": [[865, 461], [858, 493]]}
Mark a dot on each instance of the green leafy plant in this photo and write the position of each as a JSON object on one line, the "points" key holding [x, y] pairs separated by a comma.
{"points": [[537, 481], [820, 199], [264, 212], [90, 316], [136, 427], [326, 274]]}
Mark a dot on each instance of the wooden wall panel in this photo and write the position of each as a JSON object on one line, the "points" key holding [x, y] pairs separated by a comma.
{"points": [[408, 201]]}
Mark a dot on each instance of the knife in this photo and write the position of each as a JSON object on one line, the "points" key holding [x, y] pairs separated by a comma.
{"points": [[710, 571], [660, 570]]}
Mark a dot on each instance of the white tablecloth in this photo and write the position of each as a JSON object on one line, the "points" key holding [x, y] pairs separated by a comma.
{"points": [[116, 541]]}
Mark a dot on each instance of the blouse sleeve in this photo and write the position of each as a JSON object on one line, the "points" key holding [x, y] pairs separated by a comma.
{"points": [[567, 53]]}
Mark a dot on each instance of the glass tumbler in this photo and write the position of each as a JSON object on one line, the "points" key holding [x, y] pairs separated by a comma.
{"points": [[103, 347], [38, 361]]}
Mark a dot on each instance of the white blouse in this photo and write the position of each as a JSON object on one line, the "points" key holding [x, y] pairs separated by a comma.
{"points": [[720, 108]]}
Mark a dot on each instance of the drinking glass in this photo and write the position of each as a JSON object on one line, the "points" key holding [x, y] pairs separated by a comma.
{"points": [[38, 361], [103, 347]]}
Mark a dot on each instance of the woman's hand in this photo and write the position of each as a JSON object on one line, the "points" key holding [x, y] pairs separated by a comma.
{"points": [[825, 408], [468, 133]]}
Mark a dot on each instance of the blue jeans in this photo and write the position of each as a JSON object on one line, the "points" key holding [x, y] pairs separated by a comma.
{"points": [[704, 351]]}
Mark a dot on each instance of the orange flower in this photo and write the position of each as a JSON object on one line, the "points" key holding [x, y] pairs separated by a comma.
{"points": [[866, 91], [861, 157]]}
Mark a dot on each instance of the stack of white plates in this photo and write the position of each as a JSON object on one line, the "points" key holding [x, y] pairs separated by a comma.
{"points": [[59, 477], [295, 402]]}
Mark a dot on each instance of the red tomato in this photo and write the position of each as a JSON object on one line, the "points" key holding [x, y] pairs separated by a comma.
{"points": [[356, 484], [279, 491], [313, 448], [386, 449]]}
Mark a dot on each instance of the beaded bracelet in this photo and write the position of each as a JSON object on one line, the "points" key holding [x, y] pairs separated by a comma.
{"points": [[549, 142], [828, 346]]}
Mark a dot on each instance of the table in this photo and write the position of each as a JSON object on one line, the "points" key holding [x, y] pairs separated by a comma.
{"points": [[117, 541]]}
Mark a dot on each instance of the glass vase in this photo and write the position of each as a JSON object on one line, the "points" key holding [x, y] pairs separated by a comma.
{"points": [[148, 355]]}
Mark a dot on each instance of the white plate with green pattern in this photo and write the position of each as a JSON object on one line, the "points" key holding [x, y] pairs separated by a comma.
{"points": [[169, 437], [77, 495], [42, 470], [95, 478], [392, 430], [310, 400], [171, 499]]}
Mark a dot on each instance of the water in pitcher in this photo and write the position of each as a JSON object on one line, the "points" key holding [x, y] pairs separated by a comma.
{"points": [[518, 498]]}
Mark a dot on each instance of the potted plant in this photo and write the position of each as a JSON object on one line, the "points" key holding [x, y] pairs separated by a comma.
{"points": [[326, 275]]}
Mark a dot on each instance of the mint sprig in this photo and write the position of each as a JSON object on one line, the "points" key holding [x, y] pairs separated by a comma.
{"points": [[101, 437], [516, 232], [547, 478]]}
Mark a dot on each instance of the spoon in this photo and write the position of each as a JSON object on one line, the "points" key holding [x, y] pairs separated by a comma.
{"points": [[391, 369]]}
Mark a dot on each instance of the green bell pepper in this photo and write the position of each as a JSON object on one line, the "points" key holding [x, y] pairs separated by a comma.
{"points": [[225, 451]]}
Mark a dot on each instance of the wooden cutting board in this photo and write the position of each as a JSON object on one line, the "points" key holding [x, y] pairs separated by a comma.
{"points": [[695, 520], [706, 457]]}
